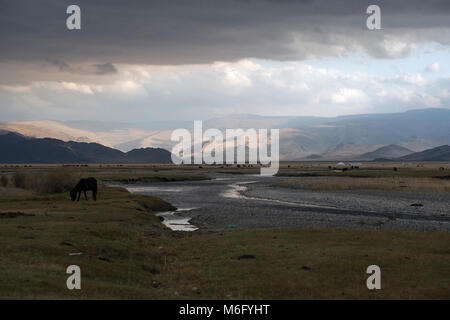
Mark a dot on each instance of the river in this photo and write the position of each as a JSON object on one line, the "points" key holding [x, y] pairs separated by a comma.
{"points": [[239, 201]]}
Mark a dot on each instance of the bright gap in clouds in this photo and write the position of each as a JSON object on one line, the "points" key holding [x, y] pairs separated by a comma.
{"points": [[319, 87]]}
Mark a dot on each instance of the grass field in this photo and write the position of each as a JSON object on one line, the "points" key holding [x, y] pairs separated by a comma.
{"points": [[127, 254], [158, 172], [396, 183]]}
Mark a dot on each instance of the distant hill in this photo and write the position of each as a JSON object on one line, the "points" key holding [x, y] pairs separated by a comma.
{"points": [[142, 155], [49, 129], [313, 157], [334, 138], [16, 148], [441, 153], [387, 152], [344, 151]]}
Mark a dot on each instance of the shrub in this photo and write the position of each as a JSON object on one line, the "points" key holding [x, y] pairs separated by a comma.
{"points": [[55, 181], [19, 180], [4, 180]]}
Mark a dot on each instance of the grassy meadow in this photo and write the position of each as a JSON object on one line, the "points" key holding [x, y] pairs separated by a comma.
{"points": [[124, 251]]}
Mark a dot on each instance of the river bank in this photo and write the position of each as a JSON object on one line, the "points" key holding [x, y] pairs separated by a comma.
{"points": [[252, 201]]}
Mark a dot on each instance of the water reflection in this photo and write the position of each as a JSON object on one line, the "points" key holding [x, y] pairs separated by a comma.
{"points": [[176, 223]]}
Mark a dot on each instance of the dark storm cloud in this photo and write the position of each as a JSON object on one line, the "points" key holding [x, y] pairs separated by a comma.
{"points": [[105, 68], [202, 31], [60, 64]]}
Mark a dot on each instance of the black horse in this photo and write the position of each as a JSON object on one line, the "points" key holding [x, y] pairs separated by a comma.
{"points": [[89, 184]]}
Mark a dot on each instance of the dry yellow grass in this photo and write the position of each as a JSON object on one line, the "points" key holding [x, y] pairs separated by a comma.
{"points": [[380, 183]]}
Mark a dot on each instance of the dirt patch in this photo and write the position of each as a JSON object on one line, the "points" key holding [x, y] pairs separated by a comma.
{"points": [[246, 256], [14, 191], [5, 215]]}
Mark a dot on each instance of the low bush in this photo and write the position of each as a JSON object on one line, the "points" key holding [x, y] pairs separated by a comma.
{"points": [[54, 181], [4, 180], [19, 180]]}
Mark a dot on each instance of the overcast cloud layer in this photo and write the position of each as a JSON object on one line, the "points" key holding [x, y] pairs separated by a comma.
{"points": [[180, 32], [136, 60]]}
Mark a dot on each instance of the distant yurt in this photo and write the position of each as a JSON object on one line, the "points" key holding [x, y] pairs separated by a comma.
{"points": [[356, 164]]}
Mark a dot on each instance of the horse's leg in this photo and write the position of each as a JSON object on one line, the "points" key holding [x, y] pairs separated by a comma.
{"points": [[85, 195], [79, 195], [94, 195]]}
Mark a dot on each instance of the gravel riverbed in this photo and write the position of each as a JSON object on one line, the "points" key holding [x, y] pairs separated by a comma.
{"points": [[251, 201]]}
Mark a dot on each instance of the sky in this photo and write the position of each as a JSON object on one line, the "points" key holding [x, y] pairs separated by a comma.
{"points": [[137, 61]]}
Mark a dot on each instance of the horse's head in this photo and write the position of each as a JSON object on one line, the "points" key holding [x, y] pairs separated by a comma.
{"points": [[73, 195]]}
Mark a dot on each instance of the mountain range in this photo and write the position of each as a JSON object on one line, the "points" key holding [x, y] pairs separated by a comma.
{"points": [[20, 149], [301, 138], [441, 153], [17, 148]]}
